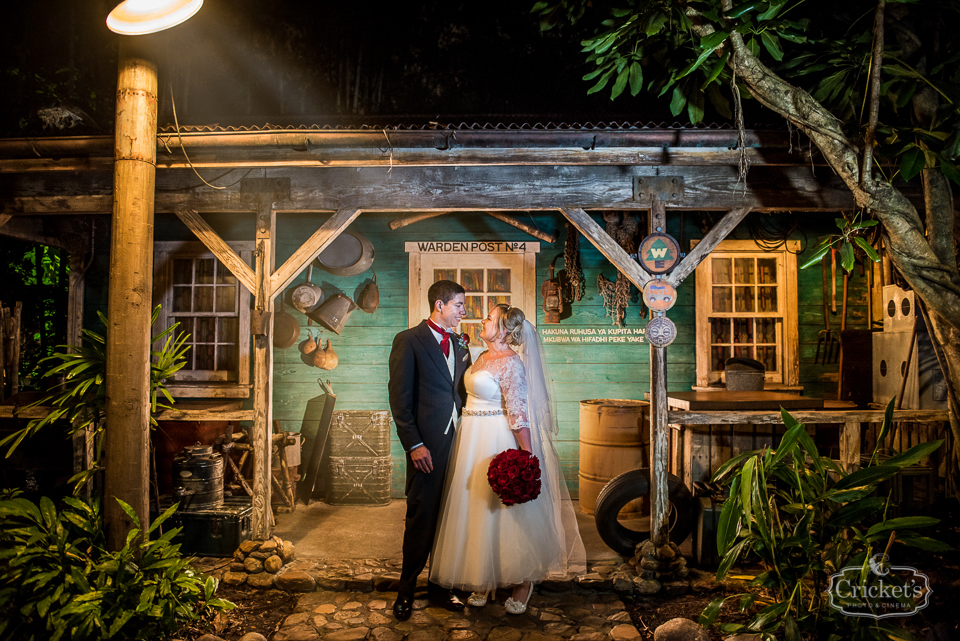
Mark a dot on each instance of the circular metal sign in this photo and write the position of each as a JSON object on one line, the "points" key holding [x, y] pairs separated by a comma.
{"points": [[659, 253], [659, 295], [661, 331]]}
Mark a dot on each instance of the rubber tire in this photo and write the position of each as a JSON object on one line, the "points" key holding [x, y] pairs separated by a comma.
{"points": [[632, 485]]}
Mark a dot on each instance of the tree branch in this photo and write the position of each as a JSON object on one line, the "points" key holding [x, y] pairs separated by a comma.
{"points": [[877, 63]]}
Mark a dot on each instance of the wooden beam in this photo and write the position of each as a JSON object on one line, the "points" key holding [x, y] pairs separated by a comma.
{"points": [[263, 373], [409, 219], [850, 445], [659, 448], [693, 258], [607, 246], [229, 258], [310, 249], [684, 417], [407, 189], [522, 226]]}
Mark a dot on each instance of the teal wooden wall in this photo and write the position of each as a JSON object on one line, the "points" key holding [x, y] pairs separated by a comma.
{"points": [[580, 372]]}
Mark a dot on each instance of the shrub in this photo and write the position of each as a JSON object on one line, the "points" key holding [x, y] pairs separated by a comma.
{"points": [[804, 518], [58, 581]]}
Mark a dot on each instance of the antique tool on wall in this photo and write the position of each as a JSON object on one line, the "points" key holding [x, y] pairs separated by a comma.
{"points": [[370, 296], [349, 254], [307, 297], [552, 298], [334, 312], [828, 346], [286, 330]]}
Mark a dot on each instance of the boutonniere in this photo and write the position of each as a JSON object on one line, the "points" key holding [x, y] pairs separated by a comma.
{"points": [[463, 340]]}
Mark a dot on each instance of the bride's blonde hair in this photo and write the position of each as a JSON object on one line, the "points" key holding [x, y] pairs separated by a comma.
{"points": [[510, 322]]}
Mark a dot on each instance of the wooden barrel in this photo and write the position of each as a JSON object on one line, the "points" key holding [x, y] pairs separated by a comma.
{"points": [[614, 435]]}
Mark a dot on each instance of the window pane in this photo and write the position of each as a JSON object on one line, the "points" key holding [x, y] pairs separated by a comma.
{"points": [[719, 330], [742, 330], [474, 307], [227, 357], [473, 331], [767, 270], [498, 280], [205, 356], [181, 299], [743, 352], [767, 299], [767, 330], [743, 270], [203, 299], [226, 299], [444, 274], [722, 300], [768, 356], [718, 355], [182, 271], [204, 274], [744, 299], [206, 330], [224, 277], [227, 330], [472, 279], [721, 271], [496, 300]]}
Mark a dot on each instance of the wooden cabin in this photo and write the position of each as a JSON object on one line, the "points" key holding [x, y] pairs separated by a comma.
{"points": [[492, 206]]}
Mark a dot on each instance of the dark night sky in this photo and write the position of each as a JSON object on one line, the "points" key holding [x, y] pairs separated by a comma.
{"points": [[244, 62]]}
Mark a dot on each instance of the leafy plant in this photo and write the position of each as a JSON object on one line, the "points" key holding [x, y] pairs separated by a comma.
{"points": [[82, 398], [847, 242], [804, 517], [57, 581]]}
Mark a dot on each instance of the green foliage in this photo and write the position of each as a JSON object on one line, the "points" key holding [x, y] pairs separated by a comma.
{"points": [[804, 518], [82, 399], [822, 47], [57, 581], [849, 242]]}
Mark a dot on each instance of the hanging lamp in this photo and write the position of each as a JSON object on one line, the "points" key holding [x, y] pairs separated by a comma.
{"points": [[139, 17]]}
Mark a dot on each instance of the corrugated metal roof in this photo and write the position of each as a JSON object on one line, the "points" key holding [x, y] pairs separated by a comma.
{"points": [[450, 125]]}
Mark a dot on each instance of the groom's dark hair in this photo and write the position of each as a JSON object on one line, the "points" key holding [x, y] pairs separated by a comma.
{"points": [[443, 291]]}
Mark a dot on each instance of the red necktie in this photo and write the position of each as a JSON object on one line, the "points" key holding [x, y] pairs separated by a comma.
{"points": [[445, 341]]}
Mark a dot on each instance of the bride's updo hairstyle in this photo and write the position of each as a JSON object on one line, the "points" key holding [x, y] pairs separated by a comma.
{"points": [[511, 322]]}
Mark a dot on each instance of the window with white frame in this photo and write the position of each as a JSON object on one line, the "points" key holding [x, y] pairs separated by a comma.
{"points": [[198, 291], [747, 307]]}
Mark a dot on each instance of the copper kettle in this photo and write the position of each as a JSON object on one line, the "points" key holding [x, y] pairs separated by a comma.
{"points": [[370, 296]]}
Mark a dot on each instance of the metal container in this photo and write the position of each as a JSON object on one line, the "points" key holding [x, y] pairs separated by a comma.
{"points": [[614, 438], [744, 374], [360, 433], [198, 478], [355, 480]]}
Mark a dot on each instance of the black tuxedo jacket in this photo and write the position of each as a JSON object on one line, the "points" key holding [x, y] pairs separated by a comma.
{"points": [[422, 393]]}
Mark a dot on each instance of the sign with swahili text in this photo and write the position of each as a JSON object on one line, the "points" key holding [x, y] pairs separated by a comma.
{"points": [[659, 253], [592, 335]]}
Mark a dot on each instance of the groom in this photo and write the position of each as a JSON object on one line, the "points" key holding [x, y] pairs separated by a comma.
{"points": [[426, 395]]}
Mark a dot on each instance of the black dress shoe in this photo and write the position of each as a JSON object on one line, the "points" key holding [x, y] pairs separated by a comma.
{"points": [[403, 607]]}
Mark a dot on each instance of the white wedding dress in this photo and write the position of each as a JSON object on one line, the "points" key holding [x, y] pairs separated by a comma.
{"points": [[482, 544]]}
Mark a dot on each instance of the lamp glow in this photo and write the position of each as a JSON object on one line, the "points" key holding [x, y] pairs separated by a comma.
{"points": [[139, 17]]}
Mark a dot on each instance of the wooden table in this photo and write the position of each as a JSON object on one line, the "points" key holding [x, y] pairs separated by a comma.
{"points": [[763, 408], [740, 401]]}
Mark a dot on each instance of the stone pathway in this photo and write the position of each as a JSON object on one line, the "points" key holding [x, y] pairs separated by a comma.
{"points": [[352, 601]]}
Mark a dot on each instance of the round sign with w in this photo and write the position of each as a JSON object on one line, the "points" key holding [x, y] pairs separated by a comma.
{"points": [[659, 253]]}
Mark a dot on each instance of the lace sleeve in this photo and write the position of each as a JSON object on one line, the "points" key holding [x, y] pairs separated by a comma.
{"points": [[513, 389]]}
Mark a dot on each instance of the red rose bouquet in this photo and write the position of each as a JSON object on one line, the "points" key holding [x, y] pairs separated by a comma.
{"points": [[515, 476]]}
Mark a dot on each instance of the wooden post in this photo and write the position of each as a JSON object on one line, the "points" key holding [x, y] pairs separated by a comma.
{"points": [[131, 274], [850, 445], [659, 437], [82, 440], [263, 370]]}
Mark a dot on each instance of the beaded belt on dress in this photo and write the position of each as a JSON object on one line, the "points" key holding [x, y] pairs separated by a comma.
{"points": [[482, 412]]}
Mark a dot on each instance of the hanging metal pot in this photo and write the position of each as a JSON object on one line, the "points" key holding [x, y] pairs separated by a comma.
{"points": [[307, 297], [286, 329], [334, 312], [370, 296]]}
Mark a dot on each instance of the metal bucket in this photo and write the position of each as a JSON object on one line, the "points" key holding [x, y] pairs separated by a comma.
{"points": [[198, 478], [743, 374]]}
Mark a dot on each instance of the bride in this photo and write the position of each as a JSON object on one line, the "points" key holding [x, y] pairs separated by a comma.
{"points": [[481, 544]]}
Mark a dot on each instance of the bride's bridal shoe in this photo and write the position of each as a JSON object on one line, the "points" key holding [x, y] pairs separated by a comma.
{"points": [[516, 607], [478, 599]]}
